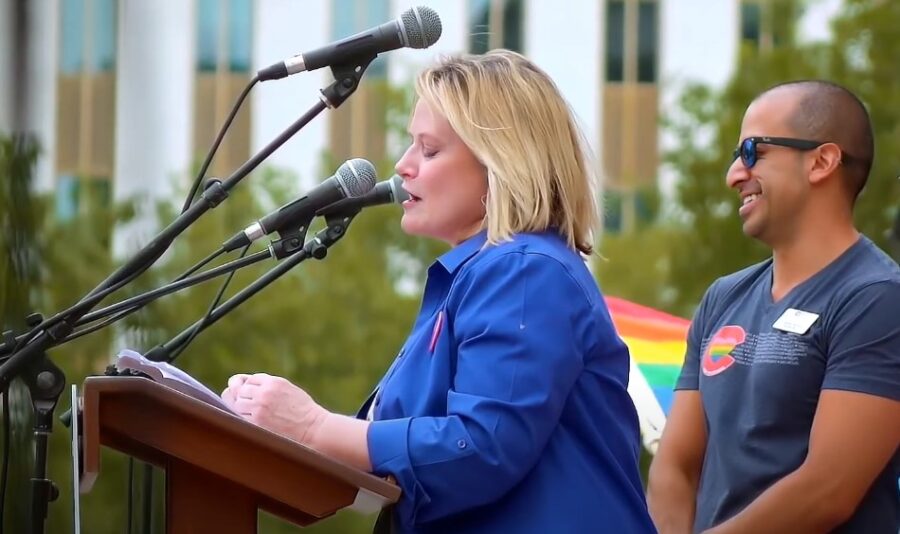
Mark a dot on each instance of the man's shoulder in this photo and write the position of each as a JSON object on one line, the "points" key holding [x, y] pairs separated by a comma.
{"points": [[862, 268], [868, 264], [741, 280], [740, 286]]}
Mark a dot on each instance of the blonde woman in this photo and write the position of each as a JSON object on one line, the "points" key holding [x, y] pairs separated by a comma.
{"points": [[506, 409]]}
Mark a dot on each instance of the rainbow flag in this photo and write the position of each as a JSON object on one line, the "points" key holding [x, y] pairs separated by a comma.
{"points": [[656, 341]]}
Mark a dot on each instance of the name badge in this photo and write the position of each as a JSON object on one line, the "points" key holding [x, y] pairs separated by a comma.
{"points": [[795, 321]]}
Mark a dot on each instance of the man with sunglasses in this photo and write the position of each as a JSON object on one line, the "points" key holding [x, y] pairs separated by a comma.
{"points": [[786, 416]]}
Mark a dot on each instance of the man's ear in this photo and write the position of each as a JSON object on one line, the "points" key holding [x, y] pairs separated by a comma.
{"points": [[827, 159]]}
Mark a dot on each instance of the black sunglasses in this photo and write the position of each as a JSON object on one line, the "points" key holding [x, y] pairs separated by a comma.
{"points": [[747, 149]]}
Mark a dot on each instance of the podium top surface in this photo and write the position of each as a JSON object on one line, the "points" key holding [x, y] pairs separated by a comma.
{"points": [[160, 425]]}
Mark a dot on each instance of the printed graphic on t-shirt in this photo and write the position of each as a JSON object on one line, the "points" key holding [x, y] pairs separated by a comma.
{"points": [[770, 348], [732, 345], [717, 356]]}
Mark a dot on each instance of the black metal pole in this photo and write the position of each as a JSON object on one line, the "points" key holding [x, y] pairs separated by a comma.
{"points": [[316, 248], [63, 324]]}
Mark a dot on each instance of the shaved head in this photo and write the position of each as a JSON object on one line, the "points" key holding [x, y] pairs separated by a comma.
{"points": [[828, 112]]}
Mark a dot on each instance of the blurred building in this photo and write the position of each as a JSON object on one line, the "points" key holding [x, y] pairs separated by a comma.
{"points": [[126, 95]]}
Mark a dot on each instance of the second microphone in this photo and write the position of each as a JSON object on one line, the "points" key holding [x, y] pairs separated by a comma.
{"points": [[354, 178]]}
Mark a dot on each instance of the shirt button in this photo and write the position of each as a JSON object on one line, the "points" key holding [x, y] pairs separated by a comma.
{"points": [[461, 444]]}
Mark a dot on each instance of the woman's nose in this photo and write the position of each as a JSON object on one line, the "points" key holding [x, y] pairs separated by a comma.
{"points": [[405, 167]]}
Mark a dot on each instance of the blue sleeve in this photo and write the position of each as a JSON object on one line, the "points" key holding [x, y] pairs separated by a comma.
{"points": [[864, 343], [517, 321], [690, 369]]}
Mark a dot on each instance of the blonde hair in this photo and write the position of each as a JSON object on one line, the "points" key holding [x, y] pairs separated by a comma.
{"points": [[511, 115]]}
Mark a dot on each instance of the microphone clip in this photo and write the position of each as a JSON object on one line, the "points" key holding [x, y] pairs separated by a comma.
{"points": [[293, 241], [289, 242], [346, 80], [335, 229]]}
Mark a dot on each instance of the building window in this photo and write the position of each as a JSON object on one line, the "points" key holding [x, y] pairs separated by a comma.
{"points": [[766, 25], [87, 36], [224, 32], [632, 40], [751, 20], [353, 16], [224, 51], [240, 32], [648, 32], [629, 143], [207, 35], [495, 24], [71, 51], [623, 211], [357, 128], [479, 25], [85, 118], [103, 56], [512, 25], [74, 196], [67, 191], [615, 41]]}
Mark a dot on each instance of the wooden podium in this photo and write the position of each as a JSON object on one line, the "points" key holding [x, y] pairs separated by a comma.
{"points": [[219, 468]]}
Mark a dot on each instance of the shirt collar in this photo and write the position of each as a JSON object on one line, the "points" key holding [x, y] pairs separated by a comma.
{"points": [[458, 255]]}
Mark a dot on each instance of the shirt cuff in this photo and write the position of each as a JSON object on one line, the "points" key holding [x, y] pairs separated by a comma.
{"points": [[388, 449]]}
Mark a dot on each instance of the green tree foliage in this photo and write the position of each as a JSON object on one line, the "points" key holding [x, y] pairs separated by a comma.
{"points": [[864, 56], [19, 277], [670, 265], [715, 244], [46, 266], [332, 325], [20, 216]]}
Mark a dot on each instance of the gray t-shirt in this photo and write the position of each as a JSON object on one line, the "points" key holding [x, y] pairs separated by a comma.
{"points": [[760, 384]]}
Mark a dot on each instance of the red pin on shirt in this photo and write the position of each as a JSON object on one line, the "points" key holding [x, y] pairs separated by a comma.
{"points": [[436, 332]]}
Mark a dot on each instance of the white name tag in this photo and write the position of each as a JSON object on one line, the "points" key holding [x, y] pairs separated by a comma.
{"points": [[795, 321]]}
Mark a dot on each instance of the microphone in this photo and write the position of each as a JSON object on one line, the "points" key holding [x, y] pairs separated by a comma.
{"points": [[417, 27], [354, 178], [384, 192]]}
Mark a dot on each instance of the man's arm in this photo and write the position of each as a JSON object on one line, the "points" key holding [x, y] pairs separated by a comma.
{"points": [[675, 472], [853, 437]]}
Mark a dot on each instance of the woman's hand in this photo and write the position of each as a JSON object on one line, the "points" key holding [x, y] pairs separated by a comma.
{"points": [[281, 407], [275, 404]]}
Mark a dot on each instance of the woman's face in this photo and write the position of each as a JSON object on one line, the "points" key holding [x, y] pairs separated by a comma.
{"points": [[446, 183]]}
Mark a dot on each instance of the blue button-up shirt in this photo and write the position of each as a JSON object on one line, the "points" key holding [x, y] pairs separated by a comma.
{"points": [[507, 410]]}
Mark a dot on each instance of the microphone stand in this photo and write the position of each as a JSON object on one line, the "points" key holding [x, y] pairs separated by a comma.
{"points": [[132, 304], [45, 380], [277, 249], [347, 77], [317, 247]]}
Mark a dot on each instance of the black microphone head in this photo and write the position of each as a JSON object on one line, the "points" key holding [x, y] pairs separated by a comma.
{"points": [[356, 177], [421, 26]]}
